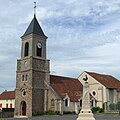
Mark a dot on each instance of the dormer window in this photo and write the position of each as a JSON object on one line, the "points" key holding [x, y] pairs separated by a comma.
{"points": [[26, 52]]}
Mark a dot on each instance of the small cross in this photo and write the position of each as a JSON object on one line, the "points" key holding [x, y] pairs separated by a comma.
{"points": [[35, 8]]}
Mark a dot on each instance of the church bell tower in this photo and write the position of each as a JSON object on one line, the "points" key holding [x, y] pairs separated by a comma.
{"points": [[32, 76]]}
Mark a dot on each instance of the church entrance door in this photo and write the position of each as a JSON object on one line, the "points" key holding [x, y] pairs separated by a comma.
{"points": [[23, 108]]}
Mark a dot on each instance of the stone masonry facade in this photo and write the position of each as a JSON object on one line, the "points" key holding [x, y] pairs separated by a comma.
{"points": [[32, 76]]}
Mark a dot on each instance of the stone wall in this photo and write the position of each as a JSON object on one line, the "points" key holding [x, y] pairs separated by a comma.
{"points": [[7, 112]]}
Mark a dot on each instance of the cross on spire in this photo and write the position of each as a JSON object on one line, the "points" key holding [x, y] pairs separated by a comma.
{"points": [[35, 8]]}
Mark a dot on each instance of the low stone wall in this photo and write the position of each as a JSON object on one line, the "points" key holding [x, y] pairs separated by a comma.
{"points": [[7, 112]]}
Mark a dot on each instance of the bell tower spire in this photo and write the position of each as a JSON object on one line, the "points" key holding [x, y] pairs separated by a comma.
{"points": [[32, 76], [36, 44]]}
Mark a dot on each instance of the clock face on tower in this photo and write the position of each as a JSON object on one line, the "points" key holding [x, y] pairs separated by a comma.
{"points": [[39, 45]]}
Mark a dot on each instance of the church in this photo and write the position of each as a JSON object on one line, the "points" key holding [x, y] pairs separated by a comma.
{"points": [[37, 91]]}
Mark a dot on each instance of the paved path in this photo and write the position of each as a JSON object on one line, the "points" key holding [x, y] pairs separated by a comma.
{"points": [[70, 117], [107, 117]]}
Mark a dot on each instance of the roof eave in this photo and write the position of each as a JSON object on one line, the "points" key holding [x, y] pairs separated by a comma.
{"points": [[33, 34]]}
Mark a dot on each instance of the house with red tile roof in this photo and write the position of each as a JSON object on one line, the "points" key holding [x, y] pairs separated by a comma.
{"points": [[7, 99], [104, 88]]}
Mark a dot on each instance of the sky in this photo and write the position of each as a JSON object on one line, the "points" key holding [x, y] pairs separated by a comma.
{"points": [[83, 35]]}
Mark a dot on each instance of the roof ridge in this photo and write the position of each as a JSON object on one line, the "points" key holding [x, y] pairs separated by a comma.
{"points": [[63, 76], [108, 81], [9, 91], [99, 73]]}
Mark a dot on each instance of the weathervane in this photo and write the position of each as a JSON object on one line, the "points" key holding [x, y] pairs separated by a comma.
{"points": [[35, 8], [86, 78]]}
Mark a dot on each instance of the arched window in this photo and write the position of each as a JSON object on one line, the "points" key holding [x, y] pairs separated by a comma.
{"points": [[26, 77], [22, 77], [66, 103], [92, 103], [39, 50], [81, 103], [26, 52]]}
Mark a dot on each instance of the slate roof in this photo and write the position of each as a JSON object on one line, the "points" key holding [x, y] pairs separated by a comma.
{"points": [[7, 95], [34, 28], [107, 80], [65, 85]]}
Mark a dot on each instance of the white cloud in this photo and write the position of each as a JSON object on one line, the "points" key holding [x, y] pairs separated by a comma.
{"points": [[82, 35]]}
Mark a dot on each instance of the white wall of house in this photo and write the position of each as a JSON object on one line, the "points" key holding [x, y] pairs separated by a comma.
{"points": [[67, 106], [10, 103], [72, 106], [77, 107]]}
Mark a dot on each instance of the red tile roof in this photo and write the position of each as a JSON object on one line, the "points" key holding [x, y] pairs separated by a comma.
{"points": [[65, 85], [107, 80], [7, 95]]}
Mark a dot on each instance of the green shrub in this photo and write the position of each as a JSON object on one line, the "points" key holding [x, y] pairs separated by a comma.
{"points": [[113, 106], [50, 112], [97, 110]]}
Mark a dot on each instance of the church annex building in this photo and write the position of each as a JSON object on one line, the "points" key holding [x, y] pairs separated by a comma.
{"points": [[37, 91]]}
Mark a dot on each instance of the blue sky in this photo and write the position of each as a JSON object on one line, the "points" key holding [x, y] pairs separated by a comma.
{"points": [[83, 35]]}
